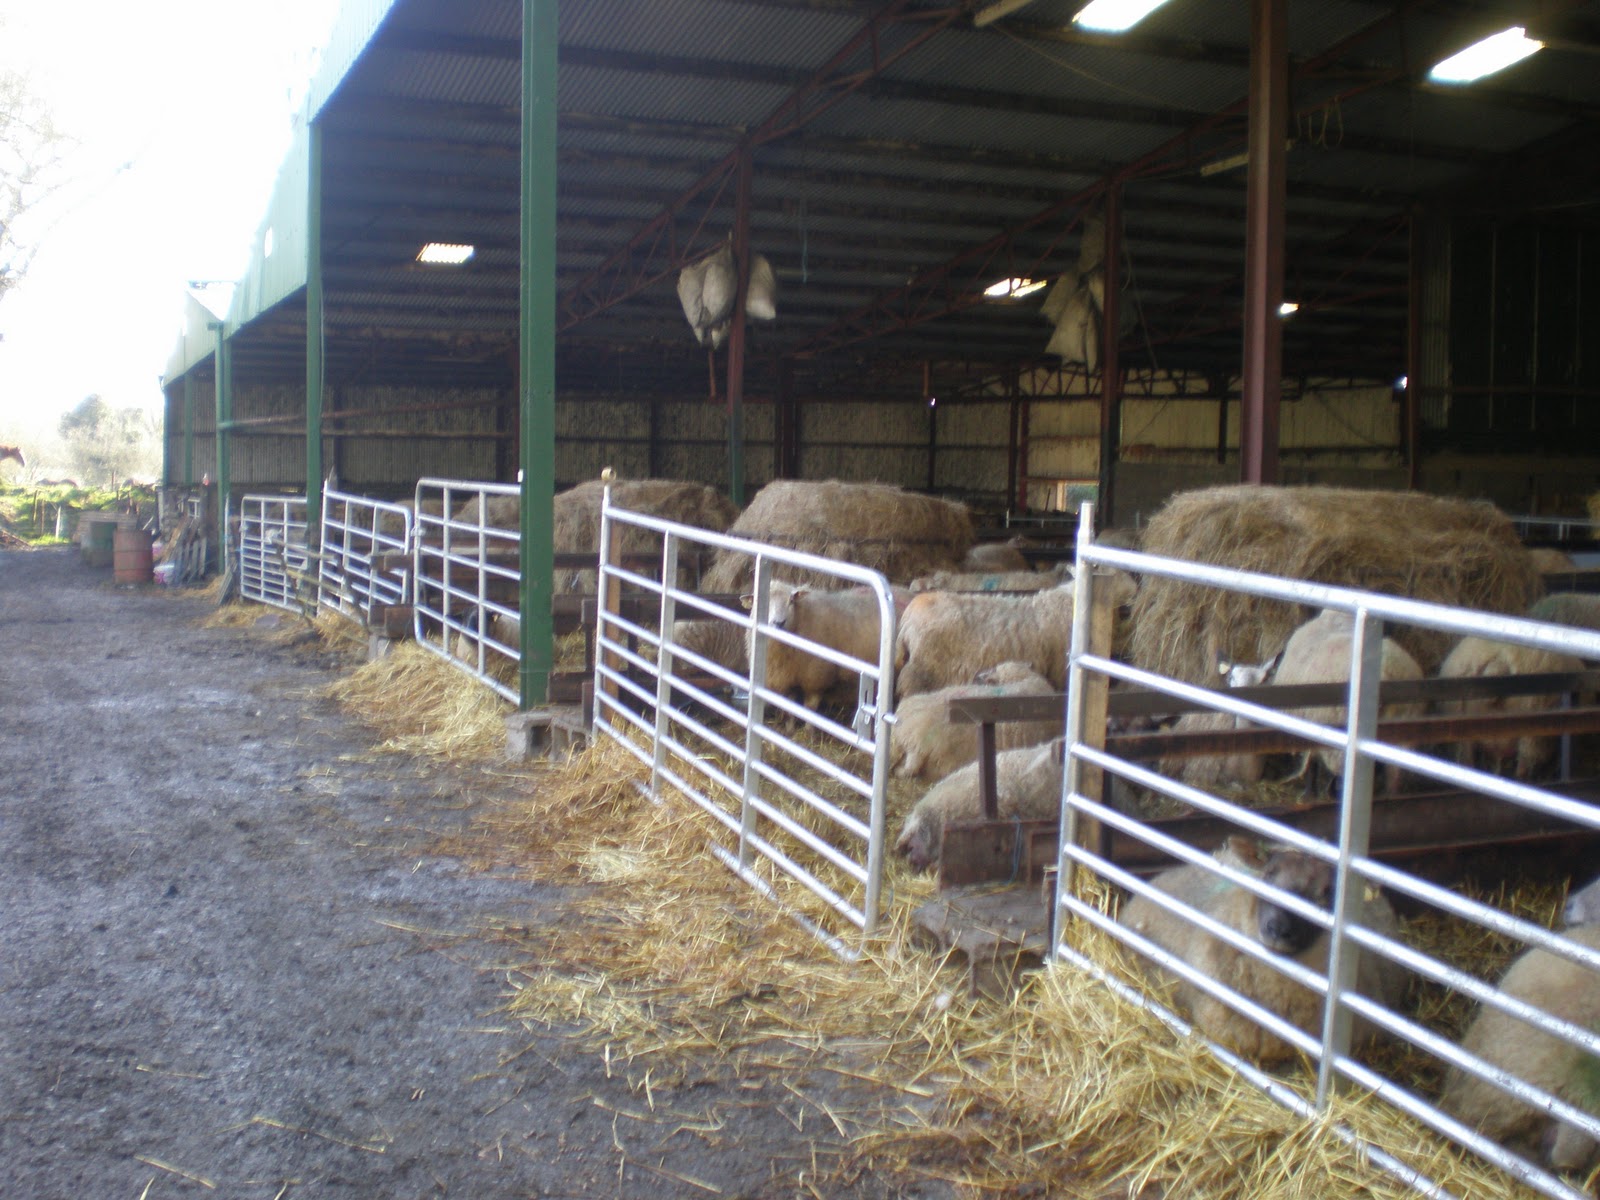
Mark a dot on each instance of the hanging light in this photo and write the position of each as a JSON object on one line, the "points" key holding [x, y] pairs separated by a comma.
{"points": [[1494, 53]]}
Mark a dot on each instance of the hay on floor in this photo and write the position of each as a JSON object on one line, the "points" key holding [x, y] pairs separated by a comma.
{"points": [[1455, 552], [424, 706], [900, 533]]}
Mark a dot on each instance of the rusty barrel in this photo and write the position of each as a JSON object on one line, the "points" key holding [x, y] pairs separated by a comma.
{"points": [[131, 555]]}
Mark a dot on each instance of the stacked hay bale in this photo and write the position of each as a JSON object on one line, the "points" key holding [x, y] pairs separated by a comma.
{"points": [[576, 518], [1446, 551], [874, 525]]}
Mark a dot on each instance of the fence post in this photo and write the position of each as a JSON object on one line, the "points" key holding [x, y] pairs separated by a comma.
{"points": [[756, 706], [609, 595], [1355, 821], [664, 658]]}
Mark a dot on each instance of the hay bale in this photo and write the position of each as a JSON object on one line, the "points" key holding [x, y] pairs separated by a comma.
{"points": [[874, 525], [1446, 551], [577, 521]]}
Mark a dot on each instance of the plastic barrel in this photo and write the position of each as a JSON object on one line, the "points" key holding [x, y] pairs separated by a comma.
{"points": [[131, 555], [96, 543]]}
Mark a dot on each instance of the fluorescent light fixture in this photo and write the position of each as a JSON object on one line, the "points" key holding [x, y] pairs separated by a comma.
{"points": [[1288, 308], [1114, 16], [1486, 57], [446, 253], [1402, 383], [1012, 289]]}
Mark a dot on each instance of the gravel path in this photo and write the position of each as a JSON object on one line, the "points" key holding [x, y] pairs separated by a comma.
{"points": [[230, 959]]}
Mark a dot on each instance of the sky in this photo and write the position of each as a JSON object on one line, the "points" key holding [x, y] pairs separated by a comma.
{"points": [[181, 112]]}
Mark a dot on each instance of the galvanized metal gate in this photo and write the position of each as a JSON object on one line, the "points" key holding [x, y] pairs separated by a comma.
{"points": [[1356, 870], [361, 540], [466, 573], [798, 815], [274, 567]]}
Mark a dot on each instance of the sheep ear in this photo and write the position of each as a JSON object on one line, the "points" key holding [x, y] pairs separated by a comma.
{"points": [[747, 601]]}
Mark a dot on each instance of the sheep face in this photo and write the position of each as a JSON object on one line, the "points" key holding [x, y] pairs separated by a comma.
{"points": [[1280, 930], [1583, 906]]}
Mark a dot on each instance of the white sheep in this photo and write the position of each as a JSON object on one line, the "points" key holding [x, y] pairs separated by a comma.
{"points": [[1580, 610], [996, 557], [1279, 930], [1214, 771], [1476, 658], [1566, 990], [993, 581], [1319, 652], [1027, 786], [948, 637], [923, 744], [847, 621]]}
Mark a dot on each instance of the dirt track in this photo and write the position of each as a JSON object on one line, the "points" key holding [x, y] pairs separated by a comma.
{"points": [[231, 954]]}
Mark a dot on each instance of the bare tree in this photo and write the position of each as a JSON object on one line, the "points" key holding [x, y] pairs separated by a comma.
{"points": [[32, 153]]}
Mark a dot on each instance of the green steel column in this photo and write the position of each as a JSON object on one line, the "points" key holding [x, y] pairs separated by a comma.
{"points": [[314, 339], [224, 366], [536, 343], [188, 428]]}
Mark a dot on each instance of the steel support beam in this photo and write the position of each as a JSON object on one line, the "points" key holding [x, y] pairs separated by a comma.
{"points": [[1410, 418], [314, 332], [536, 360], [224, 399], [734, 386], [1110, 361], [188, 428], [1263, 249]]}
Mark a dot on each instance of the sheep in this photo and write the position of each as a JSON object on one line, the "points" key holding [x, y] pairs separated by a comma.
{"points": [[1576, 609], [1319, 652], [923, 744], [846, 621], [1027, 785], [1213, 771], [993, 581], [996, 558], [1474, 658], [946, 637], [1278, 930], [1565, 990]]}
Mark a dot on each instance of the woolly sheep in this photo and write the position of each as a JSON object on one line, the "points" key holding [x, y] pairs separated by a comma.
{"points": [[1278, 930], [1580, 610], [1566, 990], [1319, 652], [991, 581], [1027, 785], [846, 621], [923, 744], [947, 637], [1474, 658], [996, 557]]}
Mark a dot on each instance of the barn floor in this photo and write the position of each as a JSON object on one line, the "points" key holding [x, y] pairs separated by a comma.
{"points": [[236, 964]]}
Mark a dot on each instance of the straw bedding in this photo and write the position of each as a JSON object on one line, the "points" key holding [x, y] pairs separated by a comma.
{"points": [[902, 534], [1455, 552]]}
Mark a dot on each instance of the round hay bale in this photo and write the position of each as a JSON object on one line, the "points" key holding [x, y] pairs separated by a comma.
{"points": [[577, 520], [1447, 551], [874, 525]]}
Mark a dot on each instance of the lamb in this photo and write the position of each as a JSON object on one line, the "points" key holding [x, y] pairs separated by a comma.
{"points": [[924, 745], [1565, 990], [1278, 930], [1213, 771], [846, 621], [1475, 657], [1027, 784], [946, 638], [1319, 652]]}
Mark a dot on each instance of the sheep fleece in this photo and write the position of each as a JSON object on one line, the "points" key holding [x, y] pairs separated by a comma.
{"points": [[946, 638], [1028, 784], [923, 744]]}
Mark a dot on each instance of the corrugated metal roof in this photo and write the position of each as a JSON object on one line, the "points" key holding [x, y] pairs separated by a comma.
{"points": [[962, 156]]}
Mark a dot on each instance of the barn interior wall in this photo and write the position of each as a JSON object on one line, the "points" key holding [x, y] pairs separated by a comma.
{"points": [[865, 442]]}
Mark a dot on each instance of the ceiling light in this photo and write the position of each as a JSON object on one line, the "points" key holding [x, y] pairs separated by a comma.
{"points": [[1288, 308], [445, 252], [1115, 16], [1486, 57], [1012, 289]]}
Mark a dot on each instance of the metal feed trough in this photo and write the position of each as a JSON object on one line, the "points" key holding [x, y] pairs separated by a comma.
{"points": [[1099, 839]]}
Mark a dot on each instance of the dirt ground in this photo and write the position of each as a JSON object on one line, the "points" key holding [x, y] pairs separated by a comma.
{"points": [[235, 964]]}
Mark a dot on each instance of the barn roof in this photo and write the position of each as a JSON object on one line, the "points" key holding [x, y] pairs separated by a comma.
{"points": [[905, 157]]}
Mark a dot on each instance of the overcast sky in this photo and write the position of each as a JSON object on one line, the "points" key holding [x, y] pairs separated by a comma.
{"points": [[183, 110]]}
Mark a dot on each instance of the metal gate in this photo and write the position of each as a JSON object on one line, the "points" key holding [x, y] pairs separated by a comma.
{"points": [[1357, 873], [466, 577], [361, 540], [274, 567], [798, 815]]}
